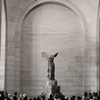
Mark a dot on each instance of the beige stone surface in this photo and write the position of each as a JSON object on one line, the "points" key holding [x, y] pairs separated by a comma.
{"points": [[51, 27], [51, 32], [2, 44]]}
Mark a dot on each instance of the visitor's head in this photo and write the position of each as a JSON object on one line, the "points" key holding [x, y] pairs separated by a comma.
{"points": [[85, 94], [78, 98], [6, 94], [34, 98], [51, 96], [2, 92], [96, 94], [15, 93], [30, 98], [66, 97], [24, 95], [91, 97], [74, 96], [21, 95], [9, 95], [90, 94]]}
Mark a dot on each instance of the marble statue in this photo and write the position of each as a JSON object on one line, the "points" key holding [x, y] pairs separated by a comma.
{"points": [[51, 65], [51, 84]]}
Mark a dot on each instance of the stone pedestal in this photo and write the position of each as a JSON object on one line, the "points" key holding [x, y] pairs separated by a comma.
{"points": [[52, 88]]}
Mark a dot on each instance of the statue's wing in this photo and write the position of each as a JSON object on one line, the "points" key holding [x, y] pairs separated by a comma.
{"points": [[55, 55], [45, 55]]}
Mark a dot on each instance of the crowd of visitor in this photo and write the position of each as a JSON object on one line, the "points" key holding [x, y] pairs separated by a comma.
{"points": [[86, 96]]}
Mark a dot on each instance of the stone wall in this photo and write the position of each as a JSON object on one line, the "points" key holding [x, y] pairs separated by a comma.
{"points": [[90, 10], [0, 31], [2, 44], [49, 30], [52, 27], [14, 9], [0, 24]]}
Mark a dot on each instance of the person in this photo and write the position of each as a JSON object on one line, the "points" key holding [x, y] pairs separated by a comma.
{"points": [[78, 98], [90, 95], [95, 96], [10, 97], [30, 98], [98, 97], [38, 98], [20, 97], [66, 97], [15, 96], [85, 97], [24, 97], [34, 98], [6, 96], [43, 98], [51, 65], [50, 97], [56, 97], [2, 95], [73, 97]]}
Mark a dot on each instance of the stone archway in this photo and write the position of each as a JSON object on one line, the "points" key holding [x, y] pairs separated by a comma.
{"points": [[74, 9]]}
